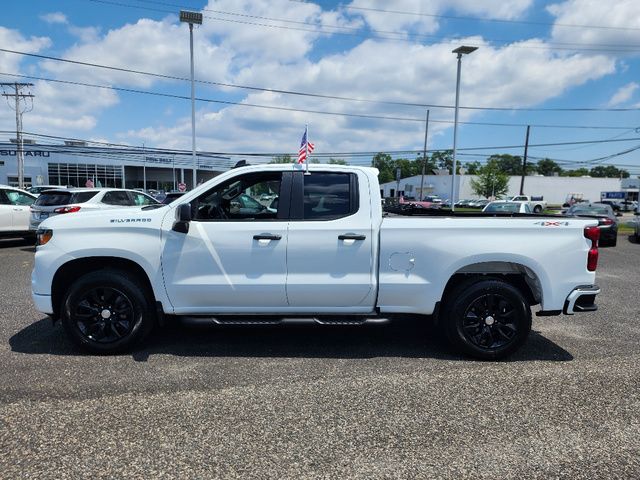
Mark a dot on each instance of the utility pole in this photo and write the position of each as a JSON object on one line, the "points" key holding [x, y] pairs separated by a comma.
{"points": [[524, 160], [18, 96], [424, 157]]}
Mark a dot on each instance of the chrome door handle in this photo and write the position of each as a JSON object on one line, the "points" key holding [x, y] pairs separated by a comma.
{"points": [[351, 236], [267, 236]]}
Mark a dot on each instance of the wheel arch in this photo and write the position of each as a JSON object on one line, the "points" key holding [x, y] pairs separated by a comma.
{"points": [[518, 275], [73, 269]]}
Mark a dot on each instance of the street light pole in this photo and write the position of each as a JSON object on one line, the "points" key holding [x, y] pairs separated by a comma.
{"points": [[463, 50], [191, 18], [424, 157]]}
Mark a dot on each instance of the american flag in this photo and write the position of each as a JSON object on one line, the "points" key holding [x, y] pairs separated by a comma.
{"points": [[305, 145]]}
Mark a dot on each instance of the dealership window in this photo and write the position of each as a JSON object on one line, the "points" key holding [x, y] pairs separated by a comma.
{"points": [[13, 181], [77, 174]]}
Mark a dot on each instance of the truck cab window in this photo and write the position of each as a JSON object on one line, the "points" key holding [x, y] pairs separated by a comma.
{"points": [[329, 196], [249, 197]]}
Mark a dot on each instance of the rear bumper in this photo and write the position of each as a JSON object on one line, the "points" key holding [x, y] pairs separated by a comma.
{"points": [[581, 299]]}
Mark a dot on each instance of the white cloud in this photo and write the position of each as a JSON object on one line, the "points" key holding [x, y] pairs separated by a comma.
{"points": [[14, 40], [422, 16], [238, 32], [425, 74], [147, 45], [623, 94], [55, 17], [620, 20]]}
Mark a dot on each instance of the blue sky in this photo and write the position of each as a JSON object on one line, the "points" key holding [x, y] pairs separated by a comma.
{"points": [[533, 54]]}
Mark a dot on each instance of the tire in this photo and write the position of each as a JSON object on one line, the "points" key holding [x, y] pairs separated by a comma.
{"points": [[107, 312], [537, 209], [475, 322]]}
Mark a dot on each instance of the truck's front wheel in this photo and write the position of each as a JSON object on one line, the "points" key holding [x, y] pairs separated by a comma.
{"points": [[487, 319], [106, 312]]}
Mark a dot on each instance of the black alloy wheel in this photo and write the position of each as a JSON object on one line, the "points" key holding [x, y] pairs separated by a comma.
{"points": [[486, 318], [104, 315], [489, 322], [107, 311]]}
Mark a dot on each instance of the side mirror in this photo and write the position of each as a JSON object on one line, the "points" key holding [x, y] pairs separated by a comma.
{"points": [[183, 217]]}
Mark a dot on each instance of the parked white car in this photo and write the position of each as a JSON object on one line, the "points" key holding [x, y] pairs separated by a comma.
{"points": [[72, 200], [14, 212], [502, 206], [537, 204]]}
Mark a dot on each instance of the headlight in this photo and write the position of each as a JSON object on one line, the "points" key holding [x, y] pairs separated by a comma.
{"points": [[43, 236]]}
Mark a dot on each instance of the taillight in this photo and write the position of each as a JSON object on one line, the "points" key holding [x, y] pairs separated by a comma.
{"points": [[593, 234], [606, 221], [73, 209]]}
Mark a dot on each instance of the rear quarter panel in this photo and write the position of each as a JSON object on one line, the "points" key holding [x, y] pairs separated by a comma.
{"points": [[554, 250]]}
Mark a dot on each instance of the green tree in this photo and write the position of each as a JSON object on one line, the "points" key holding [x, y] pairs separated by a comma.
{"points": [[548, 167], [608, 171], [282, 159], [443, 159], [384, 163], [509, 164], [491, 181], [429, 165], [472, 168], [578, 172]]}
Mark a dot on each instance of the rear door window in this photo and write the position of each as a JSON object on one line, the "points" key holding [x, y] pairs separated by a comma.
{"points": [[329, 196], [81, 197], [120, 198]]}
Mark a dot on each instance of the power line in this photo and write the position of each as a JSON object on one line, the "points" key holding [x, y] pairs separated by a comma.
{"points": [[481, 19], [326, 154], [402, 34], [316, 30], [315, 95], [308, 111]]}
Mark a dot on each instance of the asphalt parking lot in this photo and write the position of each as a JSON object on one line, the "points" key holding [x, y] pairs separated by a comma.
{"points": [[333, 402]]}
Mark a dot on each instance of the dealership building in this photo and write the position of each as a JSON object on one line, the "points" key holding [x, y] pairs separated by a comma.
{"points": [[74, 163], [553, 189]]}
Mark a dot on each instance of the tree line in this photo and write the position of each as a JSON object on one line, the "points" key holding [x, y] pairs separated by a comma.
{"points": [[492, 177]]}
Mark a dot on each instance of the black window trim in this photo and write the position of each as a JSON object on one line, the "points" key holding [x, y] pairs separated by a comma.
{"points": [[297, 197], [284, 200]]}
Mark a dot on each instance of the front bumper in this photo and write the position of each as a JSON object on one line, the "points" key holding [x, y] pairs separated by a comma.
{"points": [[581, 299], [42, 303]]}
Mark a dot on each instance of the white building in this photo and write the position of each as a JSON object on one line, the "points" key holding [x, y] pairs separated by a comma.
{"points": [[73, 163], [553, 189]]}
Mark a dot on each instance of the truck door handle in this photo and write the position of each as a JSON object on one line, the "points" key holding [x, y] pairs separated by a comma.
{"points": [[267, 236], [351, 236]]}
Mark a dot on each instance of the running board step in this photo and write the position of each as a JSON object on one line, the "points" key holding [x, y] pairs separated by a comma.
{"points": [[270, 320]]}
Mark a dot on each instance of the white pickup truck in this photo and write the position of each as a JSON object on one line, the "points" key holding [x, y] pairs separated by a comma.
{"points": [[537, 204], [321, 251]]}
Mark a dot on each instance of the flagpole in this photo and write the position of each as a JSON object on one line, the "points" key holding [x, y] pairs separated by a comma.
{"points": [[306, 147]]}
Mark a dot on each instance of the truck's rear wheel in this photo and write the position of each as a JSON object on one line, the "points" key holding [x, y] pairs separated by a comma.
{"points": [[487, 319], [537, 209], [106, 312]]}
